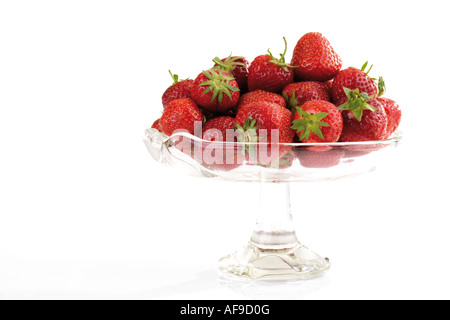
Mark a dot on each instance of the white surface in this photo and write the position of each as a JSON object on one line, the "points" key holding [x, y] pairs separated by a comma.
{"points": [[86, 213]]}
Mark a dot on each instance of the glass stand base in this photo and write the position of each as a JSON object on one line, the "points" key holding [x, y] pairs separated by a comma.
{"points": [[297, 262]]}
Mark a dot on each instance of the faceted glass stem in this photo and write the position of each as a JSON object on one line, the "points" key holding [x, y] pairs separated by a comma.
{"points": [[273, 251]]}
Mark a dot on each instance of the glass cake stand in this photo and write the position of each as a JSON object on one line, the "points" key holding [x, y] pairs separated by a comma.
{"points": [[273, 251]]}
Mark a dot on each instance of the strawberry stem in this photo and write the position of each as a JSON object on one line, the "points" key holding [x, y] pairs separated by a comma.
{"points": [[281, 62], [174, 77], [364, 66]]}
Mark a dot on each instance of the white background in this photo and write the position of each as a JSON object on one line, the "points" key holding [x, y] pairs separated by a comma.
{"points": [[85, 212]]}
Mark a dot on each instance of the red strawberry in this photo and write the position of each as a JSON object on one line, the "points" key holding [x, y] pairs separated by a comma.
{"points": [[329, 85], [217, 155], [315, 59], [361, 150], [261, 95], [235, 66], [267, 123], [286, 160], [270, 74], [353, 78], [180, 114], [267, 126], [354, 152], [393, 114], [221, 156], [178, 90], [156, 125], [299, 93], [314, 158], [364, 117], [215, 90], [268, 116], [265, 148], [318, 121], [217, 129]]}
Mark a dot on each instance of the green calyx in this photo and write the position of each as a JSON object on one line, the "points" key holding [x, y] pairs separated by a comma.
{"points": [[309, 122], [218, 84], [357, 102], [174, 77], [381, 86], [248, 133], [229, 63], [281, 62], [291, 101]]}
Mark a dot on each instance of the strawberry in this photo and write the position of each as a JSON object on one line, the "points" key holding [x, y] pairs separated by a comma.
{"points": [[266, 116], [215, 91], [267, 123], [179, 89], [261, 95], [235, 66], [221, 156], [393, 114], [270, 74], [352, 79], [286, 160], [267, 126], [298, 93], [356, 151], [313, 158], [156, 125], [217, 155], [315, 59], [328, 84], [363, 116], [180, 114], [216, 129], [318, 121]]}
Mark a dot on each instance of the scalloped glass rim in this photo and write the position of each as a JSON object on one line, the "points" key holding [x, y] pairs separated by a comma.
{"points": [[349, 159], [395, 138]]}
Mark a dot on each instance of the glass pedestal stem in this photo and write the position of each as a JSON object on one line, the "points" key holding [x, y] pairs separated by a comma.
{"points": [[273, 251], [274, 225]]}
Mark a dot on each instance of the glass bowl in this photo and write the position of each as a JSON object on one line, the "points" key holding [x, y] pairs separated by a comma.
{"points": [[273, 251]]}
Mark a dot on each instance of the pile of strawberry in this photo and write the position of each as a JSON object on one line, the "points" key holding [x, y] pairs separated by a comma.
{"points": [[310, 99]]}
